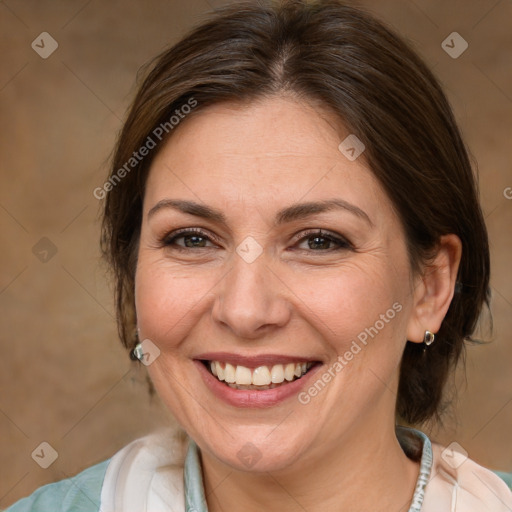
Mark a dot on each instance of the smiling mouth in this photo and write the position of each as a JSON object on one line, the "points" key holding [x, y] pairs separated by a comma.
{"points": [[260, 378]]}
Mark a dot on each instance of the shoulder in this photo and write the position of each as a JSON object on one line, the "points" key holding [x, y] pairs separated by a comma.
{"points": [[457, 479], [78, 494], [149, 470]]}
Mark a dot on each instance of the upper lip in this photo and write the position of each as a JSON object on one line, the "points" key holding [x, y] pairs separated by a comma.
{"points": [[253, 361]]}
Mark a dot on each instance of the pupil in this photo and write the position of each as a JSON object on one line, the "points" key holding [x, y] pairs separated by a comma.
{"points": [[316, 245], [194, 239]]}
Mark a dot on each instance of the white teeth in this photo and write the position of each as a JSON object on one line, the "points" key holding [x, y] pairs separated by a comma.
{"points": [[289, 371], [243, 375], [277, 374], [229, 373], [261, 376], [220, 370]]}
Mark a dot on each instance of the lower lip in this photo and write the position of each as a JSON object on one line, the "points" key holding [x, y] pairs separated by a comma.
{"points": [[253, 398]]}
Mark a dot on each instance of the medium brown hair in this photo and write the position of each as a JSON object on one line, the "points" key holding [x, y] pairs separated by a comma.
{"points": [[349, 62]]}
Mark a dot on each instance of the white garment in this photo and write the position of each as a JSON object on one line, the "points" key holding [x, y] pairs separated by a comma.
{"points": [[465, 488], [146, 476]]}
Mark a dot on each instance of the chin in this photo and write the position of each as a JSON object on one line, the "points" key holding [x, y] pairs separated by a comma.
{"points": [[256, 452]]}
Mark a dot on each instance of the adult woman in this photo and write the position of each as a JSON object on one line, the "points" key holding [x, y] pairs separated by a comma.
{"points": [[333, 260]]}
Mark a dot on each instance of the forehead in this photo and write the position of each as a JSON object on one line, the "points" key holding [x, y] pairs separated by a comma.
{"points": [[272, 151]]}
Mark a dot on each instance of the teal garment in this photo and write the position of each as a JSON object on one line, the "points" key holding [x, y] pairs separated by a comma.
{"points": [[195, 500], [78, 494]]}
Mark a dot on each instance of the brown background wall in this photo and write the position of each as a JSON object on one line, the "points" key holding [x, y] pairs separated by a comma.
{"points": [[64, 377]]}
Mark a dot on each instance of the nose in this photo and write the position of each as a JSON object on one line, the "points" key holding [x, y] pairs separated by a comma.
{"points": [[251, 300]]}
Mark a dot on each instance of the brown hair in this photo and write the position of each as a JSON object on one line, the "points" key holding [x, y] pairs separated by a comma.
{"points": [[380, 89]]}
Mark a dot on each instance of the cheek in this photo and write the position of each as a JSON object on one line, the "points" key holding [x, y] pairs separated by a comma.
{"points": [[167, 300], [353, 302]]}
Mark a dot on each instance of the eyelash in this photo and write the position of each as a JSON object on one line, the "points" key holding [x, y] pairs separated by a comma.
{"points": [[170, 239]]}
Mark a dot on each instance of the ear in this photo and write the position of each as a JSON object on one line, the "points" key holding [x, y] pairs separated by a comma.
{"points": [[434, 289]]}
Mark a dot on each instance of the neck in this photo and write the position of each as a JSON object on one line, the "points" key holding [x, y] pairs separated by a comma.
{"points": [[367, 470]]}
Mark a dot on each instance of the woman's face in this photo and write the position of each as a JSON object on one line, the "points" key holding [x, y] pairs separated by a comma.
{"points": [[258, 290]]}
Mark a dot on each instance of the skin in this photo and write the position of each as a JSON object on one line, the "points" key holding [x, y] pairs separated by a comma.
{"points": [[338, 452]]}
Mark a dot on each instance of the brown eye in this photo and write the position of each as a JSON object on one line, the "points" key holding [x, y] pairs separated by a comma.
{"points": [[320, 241], [192, 239]]}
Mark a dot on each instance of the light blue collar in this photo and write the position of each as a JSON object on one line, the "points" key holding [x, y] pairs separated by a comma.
{"points": [[194, 489]]}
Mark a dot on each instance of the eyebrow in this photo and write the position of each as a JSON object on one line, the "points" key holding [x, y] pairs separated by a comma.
{"points": [[290, 213]]}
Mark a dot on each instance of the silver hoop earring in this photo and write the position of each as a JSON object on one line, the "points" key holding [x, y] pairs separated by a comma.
{"points": [[429, 338]]}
